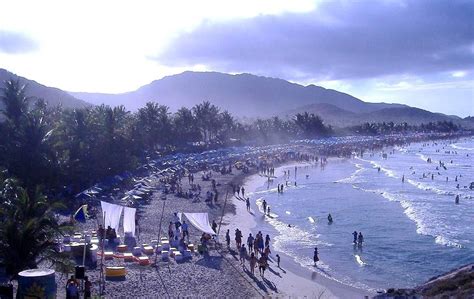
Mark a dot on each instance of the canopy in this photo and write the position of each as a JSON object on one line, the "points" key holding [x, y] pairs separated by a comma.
{"points": [[111, 214], [199, 221]]}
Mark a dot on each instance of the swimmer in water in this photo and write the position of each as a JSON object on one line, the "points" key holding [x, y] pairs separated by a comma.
{"points": [[329, 218]]}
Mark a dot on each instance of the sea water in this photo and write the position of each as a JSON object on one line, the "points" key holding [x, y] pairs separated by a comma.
{"points": [[412, 228]]}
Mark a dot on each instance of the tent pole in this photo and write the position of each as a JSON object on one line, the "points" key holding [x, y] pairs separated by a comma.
{"points": [[159, 231], [223, 211]]}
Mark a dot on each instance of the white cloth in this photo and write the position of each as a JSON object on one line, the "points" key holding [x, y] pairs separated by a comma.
{"points": [[111, 214], [199, 221], [129, 220]]}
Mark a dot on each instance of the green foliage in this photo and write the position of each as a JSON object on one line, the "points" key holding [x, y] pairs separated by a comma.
{"points": [[28, 229]]}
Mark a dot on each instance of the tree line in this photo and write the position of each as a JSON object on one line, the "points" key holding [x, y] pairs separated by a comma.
{"points": [[66, 150]]}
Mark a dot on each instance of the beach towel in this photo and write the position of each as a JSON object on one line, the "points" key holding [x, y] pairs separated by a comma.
{"points": [[199, 221], [111, 214], [129, 220]]}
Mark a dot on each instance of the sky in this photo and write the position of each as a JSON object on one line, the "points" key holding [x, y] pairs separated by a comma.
{"points": [[419, 52]]}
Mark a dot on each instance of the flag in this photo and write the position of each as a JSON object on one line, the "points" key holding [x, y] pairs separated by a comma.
{"points": [[81, 214]]}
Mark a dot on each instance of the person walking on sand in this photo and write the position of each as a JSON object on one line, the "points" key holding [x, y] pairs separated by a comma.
{"points": [[250, 240], [214, 226], [247, 203], [267, 240], [316, 255], [238, 238], [355, 237], [227, 238], [243, 191], [253, 263], [278, 260], [262, 265], [243, 255]]}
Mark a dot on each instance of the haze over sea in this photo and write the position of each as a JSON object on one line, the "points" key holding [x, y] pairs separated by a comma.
{"points": [[413, 230]]}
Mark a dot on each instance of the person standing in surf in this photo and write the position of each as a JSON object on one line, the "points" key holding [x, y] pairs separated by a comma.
{"points": [[355, 237], [264, 204], [316, 255], [360, 239]]}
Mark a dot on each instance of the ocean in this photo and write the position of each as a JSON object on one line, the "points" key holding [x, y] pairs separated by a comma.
{"points": [[403, 205]]}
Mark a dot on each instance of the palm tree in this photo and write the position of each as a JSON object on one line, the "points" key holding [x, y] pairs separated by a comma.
{"points": [[185, 128], [29, 228], [15, 101]]}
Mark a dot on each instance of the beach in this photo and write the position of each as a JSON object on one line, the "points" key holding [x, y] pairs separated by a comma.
{"points": [[338, 274]]}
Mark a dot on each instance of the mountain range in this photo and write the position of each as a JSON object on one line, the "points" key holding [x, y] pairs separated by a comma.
{"points": [[245, 96]]}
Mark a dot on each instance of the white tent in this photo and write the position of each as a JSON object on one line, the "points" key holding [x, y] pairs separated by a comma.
{"points": [[199, 221], [111, 214]]}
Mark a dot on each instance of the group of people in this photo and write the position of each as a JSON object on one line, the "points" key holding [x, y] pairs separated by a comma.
{"points": [[257, 251], [72, 288], [238, 189]]}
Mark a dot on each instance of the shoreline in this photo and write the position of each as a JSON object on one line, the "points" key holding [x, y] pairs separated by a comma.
{"points": [[291, 279], [221, 267]]}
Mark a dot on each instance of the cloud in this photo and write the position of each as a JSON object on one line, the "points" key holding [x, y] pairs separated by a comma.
{"points": [[339, 40], [16, 43]]}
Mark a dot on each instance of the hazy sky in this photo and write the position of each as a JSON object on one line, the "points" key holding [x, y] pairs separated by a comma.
{"points": [[416, 52]]}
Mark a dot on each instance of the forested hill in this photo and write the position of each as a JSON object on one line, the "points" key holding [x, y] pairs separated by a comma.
{"points": [[53, 96]]}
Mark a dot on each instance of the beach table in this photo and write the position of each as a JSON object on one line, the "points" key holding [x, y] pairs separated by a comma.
{"points": [[191, 247], [115, 273], [143, 261], [128, 257], [108, 255], [67, 248], [154, 243], [148, 250]]}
